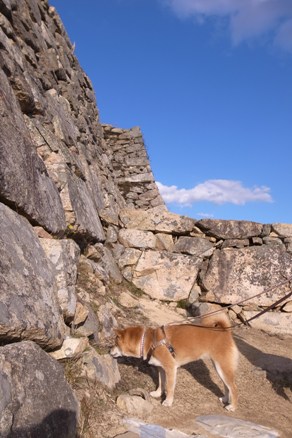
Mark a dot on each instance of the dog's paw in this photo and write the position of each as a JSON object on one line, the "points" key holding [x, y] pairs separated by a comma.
{"points": [[156, 393], [167, 402], [230, 408]]}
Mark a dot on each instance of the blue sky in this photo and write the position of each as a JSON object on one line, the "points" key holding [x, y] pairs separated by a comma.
{"points": [[209, 82]]}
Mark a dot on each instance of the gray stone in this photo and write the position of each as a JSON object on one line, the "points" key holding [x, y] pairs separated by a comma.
{"points": [[89, 327], [233, 427], [101, 368], [35, 399], [64, 255], [107, 320], [108, 264], [164, 242], [197, 246], [146, 430], [134, 405], [223, 229], [238, 243], [271, 322], [85, 219], [282, 230], [129, 257], [156, 219], [137, 239], [71, 348], [24, 181], [234, 275], [166, 276], [28, 293]]}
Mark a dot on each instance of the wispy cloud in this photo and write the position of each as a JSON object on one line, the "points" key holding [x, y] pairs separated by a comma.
{"points": [[218, 191], [247, 19]]}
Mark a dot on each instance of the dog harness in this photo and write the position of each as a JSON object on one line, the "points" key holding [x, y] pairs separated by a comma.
{"points": [[156, 344]]}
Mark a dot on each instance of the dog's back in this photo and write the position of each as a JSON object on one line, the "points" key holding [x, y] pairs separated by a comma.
{"points": [[211, 337]]}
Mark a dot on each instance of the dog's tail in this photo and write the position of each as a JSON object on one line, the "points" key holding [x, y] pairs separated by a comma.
{"points": [[219, 320]]}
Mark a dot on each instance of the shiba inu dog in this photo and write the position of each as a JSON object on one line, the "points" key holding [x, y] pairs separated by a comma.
{"points": [[171, 346]]}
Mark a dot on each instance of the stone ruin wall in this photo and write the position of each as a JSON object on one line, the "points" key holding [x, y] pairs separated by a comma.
{"points": [[81, 217], [131, 166]]}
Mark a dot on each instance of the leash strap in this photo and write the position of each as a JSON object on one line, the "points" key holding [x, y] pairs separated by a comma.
{"points": [[142, 343]]}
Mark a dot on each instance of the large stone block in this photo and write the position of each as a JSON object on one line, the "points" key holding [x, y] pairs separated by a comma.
{"points": [[64, 255], [36, 400], [156, 219], [24, 181], [237, 274], [84, 216], [28, 302], [197, 246], [166, 276], [137, 239], [223, 229]]}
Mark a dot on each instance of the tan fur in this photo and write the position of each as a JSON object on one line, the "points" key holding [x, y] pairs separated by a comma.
{"points": [[211, 340]]}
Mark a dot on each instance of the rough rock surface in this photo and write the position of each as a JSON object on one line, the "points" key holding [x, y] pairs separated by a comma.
{"points": [[166, 276], [28, 306], [237, 274], [64, 255], [35, 398], [24, 180], [156, 219]]}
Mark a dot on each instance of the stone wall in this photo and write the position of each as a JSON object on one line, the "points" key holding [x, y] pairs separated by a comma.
{"points": [[81, 219], [131, 166], [173, 258]]}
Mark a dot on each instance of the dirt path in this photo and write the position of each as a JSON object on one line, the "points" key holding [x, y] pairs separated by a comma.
{"points": [[264, 382]]}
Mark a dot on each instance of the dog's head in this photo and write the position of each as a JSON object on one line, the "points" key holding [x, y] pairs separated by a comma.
{"points": [[127, 342]]}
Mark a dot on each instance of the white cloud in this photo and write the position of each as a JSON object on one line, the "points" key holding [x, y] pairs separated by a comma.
{"points": [[218, 191], [247, 18]]}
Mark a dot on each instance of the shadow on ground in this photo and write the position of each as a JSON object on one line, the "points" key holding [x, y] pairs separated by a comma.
{"points": [[278, 368]]}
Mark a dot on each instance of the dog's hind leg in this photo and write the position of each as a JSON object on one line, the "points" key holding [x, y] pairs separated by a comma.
{"points": [[226, 371], [161, 384]]}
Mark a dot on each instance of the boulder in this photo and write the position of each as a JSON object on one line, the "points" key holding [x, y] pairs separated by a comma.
{"points": [[101, 368], [28, 294], [36, 400], [237, 274], [134, 405], [166, 276]]}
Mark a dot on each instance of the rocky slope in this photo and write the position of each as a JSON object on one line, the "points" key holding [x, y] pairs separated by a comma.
{"points": [[87, 242]]}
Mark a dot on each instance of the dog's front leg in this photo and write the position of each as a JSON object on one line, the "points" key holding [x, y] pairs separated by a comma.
{"points": [[161, 384], [170, 376]]}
